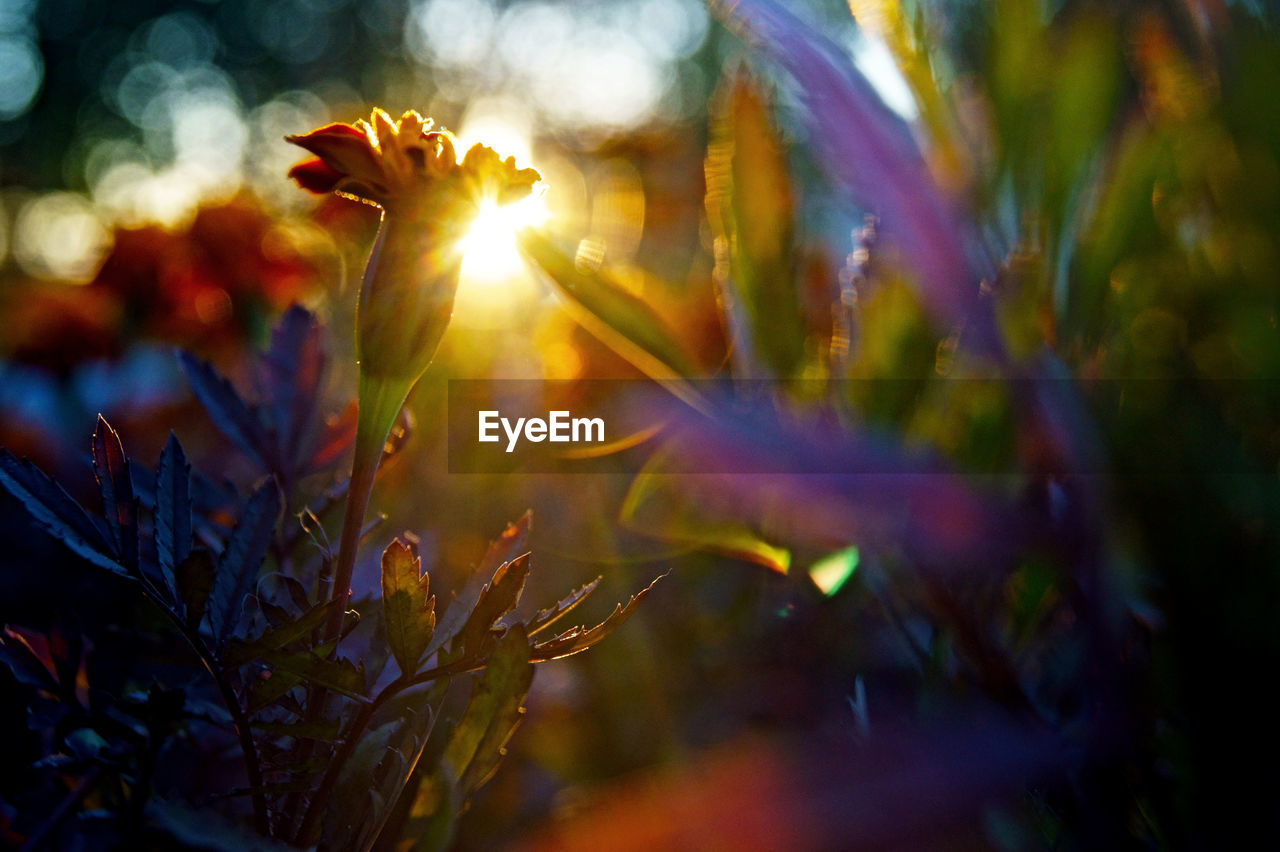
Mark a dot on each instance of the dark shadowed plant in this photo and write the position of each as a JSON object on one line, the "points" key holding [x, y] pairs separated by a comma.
{"points": [[352, 723]]}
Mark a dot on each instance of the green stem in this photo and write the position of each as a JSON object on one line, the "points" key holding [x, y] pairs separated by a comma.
{"points": [[380, 401]]}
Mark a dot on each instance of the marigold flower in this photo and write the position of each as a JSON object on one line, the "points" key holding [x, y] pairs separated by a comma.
{"points": [[428, 198]]}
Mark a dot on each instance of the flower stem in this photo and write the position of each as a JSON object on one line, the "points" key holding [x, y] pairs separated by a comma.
{"points": [[380, 400]]}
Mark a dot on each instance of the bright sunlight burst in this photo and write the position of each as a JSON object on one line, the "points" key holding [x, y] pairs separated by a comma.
{"points": [[489, 248], [493, 272]]}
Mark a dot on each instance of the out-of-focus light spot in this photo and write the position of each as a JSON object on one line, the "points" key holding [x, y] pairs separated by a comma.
{"points": [[502, 124], [181, 40], [603, 78], [21, 73], [617, 208], [59, 237], [107, 154], [213, 306], [530, 32], [290, 30], [196, 140], [272, 156], [140, 86], [451, 32], [561, 361], [495, 281], [4, 234], [209, 135], [135, 195], [605, 67], [876, 62], [668, 29], [831, 572]]}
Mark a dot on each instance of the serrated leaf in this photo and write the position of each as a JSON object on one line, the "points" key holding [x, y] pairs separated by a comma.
{"points": [[324, 731], [56, 513], [270, 687], [238, 653], [118, 504], [506, 547], [173, 511], [497, 599], [578, 639], [408, 610], [338, 675], [234, 417], [193, 579], [476, 744], [546, 617], [241, 559]]}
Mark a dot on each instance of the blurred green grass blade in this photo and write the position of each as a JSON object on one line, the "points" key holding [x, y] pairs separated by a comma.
{"points": [[751, 206], [618, 319], [658, 506]]}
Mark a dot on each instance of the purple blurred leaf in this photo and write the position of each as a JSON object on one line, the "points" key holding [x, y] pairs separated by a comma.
{"points": [[869, 151], [781, 479]]}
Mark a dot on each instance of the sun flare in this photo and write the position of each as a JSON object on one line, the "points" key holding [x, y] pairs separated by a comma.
{"points": [[489, 252]]}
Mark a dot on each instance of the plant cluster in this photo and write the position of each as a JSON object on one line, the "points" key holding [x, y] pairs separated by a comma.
{"points": [[338, 750]]}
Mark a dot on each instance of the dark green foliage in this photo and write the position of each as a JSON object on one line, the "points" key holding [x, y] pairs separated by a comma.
{"points": [[325, 759], [241, 559], [116, 488], [56, 513], [173, 511]]}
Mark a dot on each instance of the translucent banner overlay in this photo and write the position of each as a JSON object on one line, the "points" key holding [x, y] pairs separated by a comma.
{"points": [[897, 427]]}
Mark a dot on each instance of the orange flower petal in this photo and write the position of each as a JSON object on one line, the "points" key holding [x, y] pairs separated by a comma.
{"points": [[345, 149], [315, 175]]}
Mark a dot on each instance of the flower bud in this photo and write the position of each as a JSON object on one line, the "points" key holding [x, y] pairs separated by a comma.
{"points": [[428, 199]]}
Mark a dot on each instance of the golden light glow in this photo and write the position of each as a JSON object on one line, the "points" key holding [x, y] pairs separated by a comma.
{"points": [[494, 275], [489, 248]]}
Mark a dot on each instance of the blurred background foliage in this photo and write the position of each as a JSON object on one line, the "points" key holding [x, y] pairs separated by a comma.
{"points": [[1089, 675]]}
